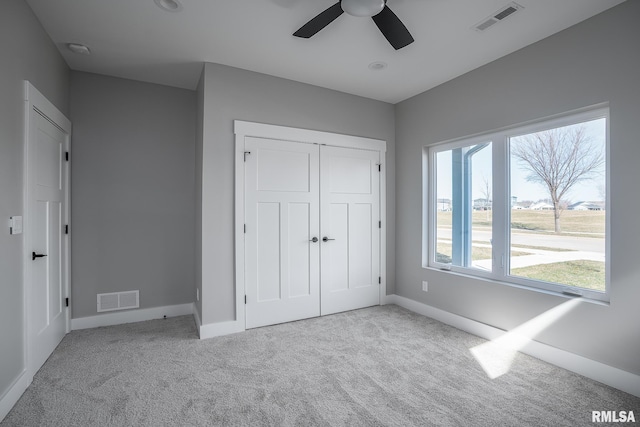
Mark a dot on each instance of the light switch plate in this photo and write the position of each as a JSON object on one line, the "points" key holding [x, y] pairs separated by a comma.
{"points": [[15, 225]]}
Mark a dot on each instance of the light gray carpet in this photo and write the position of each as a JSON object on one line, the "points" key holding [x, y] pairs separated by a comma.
{"points": [[371, 367]]}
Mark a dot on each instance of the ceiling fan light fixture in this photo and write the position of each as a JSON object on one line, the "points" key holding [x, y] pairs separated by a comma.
{"points": [[169, 5], [362, 8]]}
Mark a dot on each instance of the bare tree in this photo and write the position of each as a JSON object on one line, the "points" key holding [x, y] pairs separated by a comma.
{"points": [[485, 191], [558, 159]]}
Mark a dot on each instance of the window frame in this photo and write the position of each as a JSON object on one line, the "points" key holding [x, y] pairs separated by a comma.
{"points": [[501, 206]]}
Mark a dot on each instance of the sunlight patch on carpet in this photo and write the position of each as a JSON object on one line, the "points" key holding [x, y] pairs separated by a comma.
{"points": [[496, 356]]}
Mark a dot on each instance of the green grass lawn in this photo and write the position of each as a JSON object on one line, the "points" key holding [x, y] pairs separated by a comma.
{"points": [[584, 274], [570, 221]]}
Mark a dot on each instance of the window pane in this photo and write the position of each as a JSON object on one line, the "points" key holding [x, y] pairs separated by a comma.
{"points": [[558, 194], [463, 206]]}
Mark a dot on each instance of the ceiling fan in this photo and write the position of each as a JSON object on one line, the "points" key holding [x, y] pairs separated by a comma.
{"points": [[387, 21]]}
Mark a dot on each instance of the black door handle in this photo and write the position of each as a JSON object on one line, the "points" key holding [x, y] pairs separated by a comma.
{"points": [[314, 240], [326, 239], [35, 255]]}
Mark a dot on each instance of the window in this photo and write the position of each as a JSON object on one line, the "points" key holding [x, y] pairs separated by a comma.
{"points": [[525, 206], [463, 213]]}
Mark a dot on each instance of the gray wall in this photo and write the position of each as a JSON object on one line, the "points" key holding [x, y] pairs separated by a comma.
{"points": [[26, 53], [230, 94], [595, 61], [133, 191]]}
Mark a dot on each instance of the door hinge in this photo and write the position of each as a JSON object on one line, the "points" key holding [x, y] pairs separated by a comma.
{"points": [[245, 229], [379, 224], [66, 302], [379, 167], [66, 229], [380, 279], [245, 155], [245, 299], [66, 156]]}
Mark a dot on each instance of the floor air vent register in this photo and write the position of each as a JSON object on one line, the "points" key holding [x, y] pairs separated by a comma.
{"points": [[118, 301]]}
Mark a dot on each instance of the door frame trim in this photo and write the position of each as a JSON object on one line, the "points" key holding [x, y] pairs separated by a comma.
{"points": [[243, 129], [36, 100]]}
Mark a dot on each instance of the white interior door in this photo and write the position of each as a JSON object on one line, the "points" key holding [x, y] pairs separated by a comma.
{"points": [[46, 246], [282, 219], [350, 215]]}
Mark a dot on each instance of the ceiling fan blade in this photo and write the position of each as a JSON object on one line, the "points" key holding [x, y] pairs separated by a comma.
{"points": [[319, 22], [392, 28]]}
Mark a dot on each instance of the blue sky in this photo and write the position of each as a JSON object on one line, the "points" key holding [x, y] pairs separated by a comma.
{"points": [[591, 190]]}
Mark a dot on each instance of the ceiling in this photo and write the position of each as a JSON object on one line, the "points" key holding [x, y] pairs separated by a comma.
{"points": [[138, 40]]}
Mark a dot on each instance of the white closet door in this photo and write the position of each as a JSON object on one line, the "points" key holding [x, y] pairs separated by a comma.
{"points": [[350, 211], [47, 247], [282, 218]]}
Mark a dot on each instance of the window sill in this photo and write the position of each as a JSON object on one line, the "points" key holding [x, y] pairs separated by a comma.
{"points": [[517, 285]]}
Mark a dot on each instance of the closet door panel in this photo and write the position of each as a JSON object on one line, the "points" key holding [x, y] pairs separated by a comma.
{"points": [[282, 217], [350, 215]]}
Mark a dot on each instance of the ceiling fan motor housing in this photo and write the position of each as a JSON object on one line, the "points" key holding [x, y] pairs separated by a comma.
{"points": [[362, 8], [388, 23]]}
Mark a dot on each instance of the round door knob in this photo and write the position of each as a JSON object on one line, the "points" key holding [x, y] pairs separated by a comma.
{"points": [[314, 240]]}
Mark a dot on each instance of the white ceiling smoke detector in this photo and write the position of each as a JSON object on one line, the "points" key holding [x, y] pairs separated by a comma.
{"points": [[78, 48], [377, 66], [169, 5]]}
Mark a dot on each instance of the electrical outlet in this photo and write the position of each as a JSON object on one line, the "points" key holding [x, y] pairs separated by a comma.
{"points": [[197, 294], [425, 286], [15, 225]]}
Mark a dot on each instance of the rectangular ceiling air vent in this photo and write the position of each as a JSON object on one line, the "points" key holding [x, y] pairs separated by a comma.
{"points": [[486, 24], [118, 301], [498, 16]]}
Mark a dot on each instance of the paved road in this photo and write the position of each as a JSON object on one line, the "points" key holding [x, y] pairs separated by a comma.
{"points": [[575, 243]]}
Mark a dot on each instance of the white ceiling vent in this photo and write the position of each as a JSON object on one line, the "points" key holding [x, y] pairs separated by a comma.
{"points": [[498, 16], [118, 301]]}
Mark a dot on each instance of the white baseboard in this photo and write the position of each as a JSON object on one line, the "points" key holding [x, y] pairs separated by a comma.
{"points": [[196, 318], [131, 316], [13, 394], [212, 330], [388, 299], [614, 377]]}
